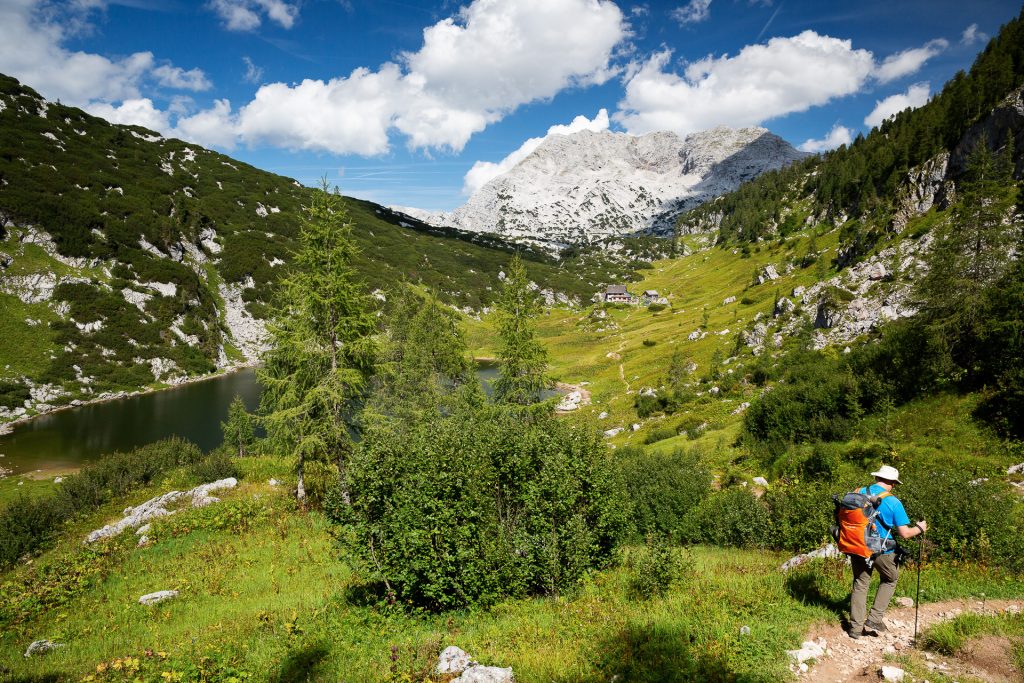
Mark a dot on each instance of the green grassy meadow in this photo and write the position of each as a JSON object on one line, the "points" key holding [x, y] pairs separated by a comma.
{"points": [[267, 594]]}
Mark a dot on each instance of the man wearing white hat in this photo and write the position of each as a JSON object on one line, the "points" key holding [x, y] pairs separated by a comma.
{"points": [[892, 520]]}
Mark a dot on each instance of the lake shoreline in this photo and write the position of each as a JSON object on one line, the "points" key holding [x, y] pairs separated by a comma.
{"points": [[7, 428]]}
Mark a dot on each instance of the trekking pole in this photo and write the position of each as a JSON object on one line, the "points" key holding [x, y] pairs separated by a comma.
{"points": [[917, 600]]}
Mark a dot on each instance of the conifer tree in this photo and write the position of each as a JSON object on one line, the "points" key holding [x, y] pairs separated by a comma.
{"points": [[240, 429], [523, 361], [321, 348]]}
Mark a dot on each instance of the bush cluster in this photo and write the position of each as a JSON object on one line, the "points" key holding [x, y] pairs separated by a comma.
{"points": [[483, 504]]}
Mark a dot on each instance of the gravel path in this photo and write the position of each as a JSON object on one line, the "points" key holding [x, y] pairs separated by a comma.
{"points": [[849, 660]]}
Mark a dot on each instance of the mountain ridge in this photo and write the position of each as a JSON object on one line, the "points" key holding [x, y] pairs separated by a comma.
{"points": [[590, 186]]}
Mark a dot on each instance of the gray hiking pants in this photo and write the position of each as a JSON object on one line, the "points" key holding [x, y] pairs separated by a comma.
{"points": [[889, 572]]}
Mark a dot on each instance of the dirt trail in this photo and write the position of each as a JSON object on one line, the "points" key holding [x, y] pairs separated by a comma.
{"points": [[622, 369], [849, 660]]}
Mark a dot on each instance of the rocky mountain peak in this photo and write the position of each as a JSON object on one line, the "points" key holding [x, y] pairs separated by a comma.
{"points": [[592, 185]]}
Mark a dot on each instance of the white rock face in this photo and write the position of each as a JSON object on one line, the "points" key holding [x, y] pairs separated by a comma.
{"points": [[597, 184], [486, 674], [249, 334]]}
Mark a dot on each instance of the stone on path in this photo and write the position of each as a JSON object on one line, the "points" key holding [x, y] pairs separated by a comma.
{"points": [[158, 597], [892, 673], [904, 602], [41, 647], [808, 650]]}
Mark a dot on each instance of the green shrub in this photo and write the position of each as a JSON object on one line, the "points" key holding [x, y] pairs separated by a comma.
{"points": [[747, 301], [800, 515], [218, 465], [662, 489], [656, 308], [649, 342], [646, 404], [660, 434], [482, 504], [13, 394], [656, 567], [732, 517], [979, 521]]}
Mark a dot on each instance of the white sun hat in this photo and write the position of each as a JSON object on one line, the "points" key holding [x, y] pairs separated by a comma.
{"points": [[889, 473]]}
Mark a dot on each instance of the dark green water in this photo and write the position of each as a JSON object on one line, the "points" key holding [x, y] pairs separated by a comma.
{"points": [[68, 438]]}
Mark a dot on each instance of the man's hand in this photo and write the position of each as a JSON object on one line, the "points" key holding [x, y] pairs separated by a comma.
{"points": [[923, 526]]}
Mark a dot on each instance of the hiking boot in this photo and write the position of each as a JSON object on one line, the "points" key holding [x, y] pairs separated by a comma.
{"points": [[855, 634], [876, 626]]}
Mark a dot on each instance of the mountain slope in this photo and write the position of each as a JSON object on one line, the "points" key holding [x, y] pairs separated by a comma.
{"points": [[127, 258], [593, 185]]}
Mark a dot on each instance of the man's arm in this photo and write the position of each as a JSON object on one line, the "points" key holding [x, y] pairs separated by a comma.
{"points": [[905, 531]]}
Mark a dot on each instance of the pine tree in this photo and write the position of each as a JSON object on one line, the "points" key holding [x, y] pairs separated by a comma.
{"points": [[240, 429], [321, 348], [523, 361]]}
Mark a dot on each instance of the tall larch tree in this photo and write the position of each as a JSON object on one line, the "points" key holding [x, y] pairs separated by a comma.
{"points": [[322, 347]]}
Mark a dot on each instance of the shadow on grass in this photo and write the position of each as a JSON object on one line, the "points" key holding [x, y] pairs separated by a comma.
{"points": [[662, 653], [302, 664], [811, 588], [34, 678]]}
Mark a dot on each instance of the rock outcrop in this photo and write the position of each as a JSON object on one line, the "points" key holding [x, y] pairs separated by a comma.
{"points": [[162, 506]]}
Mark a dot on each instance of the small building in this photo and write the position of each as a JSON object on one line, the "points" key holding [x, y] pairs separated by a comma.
{"points": [[651, 296], [617, 294]]}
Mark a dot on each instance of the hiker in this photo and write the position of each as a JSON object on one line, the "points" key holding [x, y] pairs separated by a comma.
{"points": [[889, 519]]}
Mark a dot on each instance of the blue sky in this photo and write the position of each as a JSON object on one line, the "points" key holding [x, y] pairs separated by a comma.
{"points": [[416, 103]]}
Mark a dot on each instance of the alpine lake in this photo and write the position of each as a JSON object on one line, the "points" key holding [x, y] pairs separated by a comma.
{"points": [[62, 441]]}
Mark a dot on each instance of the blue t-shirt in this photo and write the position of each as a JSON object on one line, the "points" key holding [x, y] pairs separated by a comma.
{"points": [[890, 514]]}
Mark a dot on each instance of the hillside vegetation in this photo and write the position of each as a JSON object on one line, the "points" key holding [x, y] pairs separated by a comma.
{"points": [[395, 508], [130, 259]]}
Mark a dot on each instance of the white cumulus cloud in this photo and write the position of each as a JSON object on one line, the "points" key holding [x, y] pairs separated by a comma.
{"points": [[693, 12], [246, 15], [839, 135], [137, 112], [472, 70], [31, 50], [908, 61], [483, 172], [782, 76], [915, 96]]}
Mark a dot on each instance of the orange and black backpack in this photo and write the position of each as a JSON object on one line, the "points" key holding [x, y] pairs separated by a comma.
{"points": [[855, 532]]}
